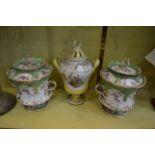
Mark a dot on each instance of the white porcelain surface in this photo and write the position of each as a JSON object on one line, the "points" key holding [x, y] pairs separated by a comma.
{"points": [[30, 77], [30, 97], [24, 76], [76, 68], [115, 100], [119, 84], [125, 81], [76, 71]]}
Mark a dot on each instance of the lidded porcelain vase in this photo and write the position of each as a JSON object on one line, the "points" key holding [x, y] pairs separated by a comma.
{"points": [[119, 84], [30, 77], [76, 71]]}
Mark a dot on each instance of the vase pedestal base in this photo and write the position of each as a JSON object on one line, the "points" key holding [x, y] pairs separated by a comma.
{"points": [[75, 99], [112, 112], [36, 107]]}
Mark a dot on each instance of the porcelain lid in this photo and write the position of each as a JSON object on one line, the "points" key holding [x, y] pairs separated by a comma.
{"points": [[123, 82], [29, 69], [124, 67], [19, 76], [77, 61], [29, 63]]}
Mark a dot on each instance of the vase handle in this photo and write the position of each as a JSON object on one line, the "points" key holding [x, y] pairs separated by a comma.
{"points": [[8, 75], [99, 90], [96, 63], [52, 86], [55, 62]]}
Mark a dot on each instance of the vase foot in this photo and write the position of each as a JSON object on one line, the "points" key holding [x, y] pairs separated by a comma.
{"points": [[114, 112], [78, 101], [36, 107]]}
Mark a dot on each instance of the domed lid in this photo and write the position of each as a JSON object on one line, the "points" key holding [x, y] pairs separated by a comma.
{"points": [[36, 75], [124, 67], [77, 51], [122, 81], [29, 69], [29, 63]]}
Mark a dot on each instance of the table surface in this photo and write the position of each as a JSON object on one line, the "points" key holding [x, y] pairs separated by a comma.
{"points": [[59, 114]]}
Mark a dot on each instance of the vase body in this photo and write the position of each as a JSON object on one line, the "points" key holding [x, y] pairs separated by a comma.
{"points": [[76, 71], [118, 87], [30, 77]]}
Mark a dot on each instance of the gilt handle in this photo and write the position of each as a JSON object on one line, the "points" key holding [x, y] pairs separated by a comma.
{"points": [[55, 62], [96, 64]]}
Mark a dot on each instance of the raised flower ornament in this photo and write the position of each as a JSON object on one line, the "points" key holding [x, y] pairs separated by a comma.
{"points": [[119, 84], [76, 71]]}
